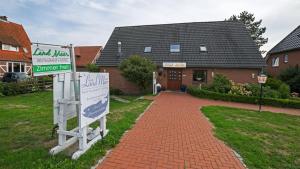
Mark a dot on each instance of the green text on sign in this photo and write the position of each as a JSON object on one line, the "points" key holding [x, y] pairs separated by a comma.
{"points": [[51, 68]]}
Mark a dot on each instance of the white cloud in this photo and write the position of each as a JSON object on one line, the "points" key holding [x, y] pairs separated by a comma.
{"points": [[92, 21]]}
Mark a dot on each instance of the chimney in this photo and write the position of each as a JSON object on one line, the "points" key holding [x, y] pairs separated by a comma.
{"points": [[119, 48], [3, 18]]}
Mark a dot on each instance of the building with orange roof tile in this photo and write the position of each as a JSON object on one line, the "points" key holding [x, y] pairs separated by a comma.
{"points": [[86, 55], [15, 48]]}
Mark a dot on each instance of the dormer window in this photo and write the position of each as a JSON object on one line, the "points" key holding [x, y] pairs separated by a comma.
{"points": [[147, 49], [203, 48], [175, 48]]}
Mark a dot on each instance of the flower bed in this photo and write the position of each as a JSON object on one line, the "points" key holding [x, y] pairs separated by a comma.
{"points": [[243, 99]]}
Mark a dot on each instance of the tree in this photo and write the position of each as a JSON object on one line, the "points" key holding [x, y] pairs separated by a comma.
{"points": [[138, 70], [254, 27], [291, 76], [92, 68]]}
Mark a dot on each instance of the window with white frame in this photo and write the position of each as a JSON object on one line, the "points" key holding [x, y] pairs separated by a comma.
{"points": [[15, 67], [199, 75], [275, 62], [286, 58]]}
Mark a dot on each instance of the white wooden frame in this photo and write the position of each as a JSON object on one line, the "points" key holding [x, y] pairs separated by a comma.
{"points": [[67, 106], [63, 105]]}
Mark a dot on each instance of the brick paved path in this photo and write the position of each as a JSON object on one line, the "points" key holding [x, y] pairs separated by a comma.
{"points": [[171, 134]]}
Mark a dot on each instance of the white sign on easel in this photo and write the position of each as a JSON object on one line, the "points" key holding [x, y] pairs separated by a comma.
{"points": [[94, 105], [94, 93], [82, 95]]}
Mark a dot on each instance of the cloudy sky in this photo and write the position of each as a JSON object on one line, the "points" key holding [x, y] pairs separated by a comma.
{"points": [[90, 22]]}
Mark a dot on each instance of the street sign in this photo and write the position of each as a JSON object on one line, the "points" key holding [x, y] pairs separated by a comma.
{"points": [[49, 60]]}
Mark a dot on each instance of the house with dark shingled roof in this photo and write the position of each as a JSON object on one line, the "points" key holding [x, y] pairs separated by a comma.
{"points": [[15, 48], [185, 53], [284, 54]]}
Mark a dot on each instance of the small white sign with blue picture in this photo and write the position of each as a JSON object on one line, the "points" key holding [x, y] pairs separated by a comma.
{"points": [[94, 97]]}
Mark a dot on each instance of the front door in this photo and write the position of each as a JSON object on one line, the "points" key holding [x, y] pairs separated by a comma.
{"points": [[174, 79]]}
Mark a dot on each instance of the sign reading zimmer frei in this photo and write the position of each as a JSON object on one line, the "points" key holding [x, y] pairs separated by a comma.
{"points": [[49, 60], [94, 97]]}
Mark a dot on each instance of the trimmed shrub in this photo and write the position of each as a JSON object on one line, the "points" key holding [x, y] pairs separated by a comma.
{"points": [[274, 83], [220, 84], [113, 91], [92, 68], [243, 99], [284, 91], [267, 91], [1, 89], [28, 86]]}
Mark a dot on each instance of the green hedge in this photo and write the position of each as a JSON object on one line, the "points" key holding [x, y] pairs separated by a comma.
{"points": [[243, 99], [28, 86]]}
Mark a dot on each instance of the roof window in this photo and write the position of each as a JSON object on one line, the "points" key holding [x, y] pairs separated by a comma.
{"points": [[203, 48], [175, 48], [147, 49]]}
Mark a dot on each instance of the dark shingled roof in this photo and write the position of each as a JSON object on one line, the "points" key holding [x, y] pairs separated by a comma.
{"points": [[290, 42], [228, 43]]}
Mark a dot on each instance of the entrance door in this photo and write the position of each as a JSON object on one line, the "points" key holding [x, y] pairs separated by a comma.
{"points": [[174, 79]]}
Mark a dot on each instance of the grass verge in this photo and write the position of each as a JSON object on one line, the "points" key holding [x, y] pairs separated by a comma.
{"points": [[263, 139], [25, 132]]}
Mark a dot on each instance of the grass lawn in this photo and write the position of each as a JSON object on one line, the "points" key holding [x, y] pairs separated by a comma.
{"points": [[26, 126], [263, 139]]}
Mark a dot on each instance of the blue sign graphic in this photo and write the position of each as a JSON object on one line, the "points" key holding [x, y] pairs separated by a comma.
{"points": [[97, 109]]}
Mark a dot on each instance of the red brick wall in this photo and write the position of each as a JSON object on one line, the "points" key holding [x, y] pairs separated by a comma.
{"points": [[293, 60], [237, 75], [117, 81]]}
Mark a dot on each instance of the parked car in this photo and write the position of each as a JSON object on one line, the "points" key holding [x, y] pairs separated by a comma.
{"points": [[14, 77]]}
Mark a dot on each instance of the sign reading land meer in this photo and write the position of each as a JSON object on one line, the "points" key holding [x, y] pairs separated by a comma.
{"points": [[48, 60], [94, 97]]}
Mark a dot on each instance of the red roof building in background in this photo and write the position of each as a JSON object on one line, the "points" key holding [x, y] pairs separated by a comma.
{"points": [[86, 55], [15, 48]]}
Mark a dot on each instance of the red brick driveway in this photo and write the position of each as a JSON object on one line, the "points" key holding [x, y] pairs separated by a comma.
{"points": [[172, 134]]}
